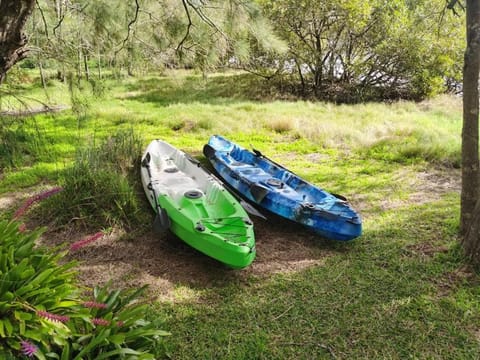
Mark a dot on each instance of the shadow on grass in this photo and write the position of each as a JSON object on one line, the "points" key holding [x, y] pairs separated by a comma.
{"points": [[165, 262], [304, 297], [282, 247], [222, 89], [380, 299]]}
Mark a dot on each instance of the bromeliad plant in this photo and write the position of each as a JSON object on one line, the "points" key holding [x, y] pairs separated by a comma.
{"points": [[43, 315], [32, 285], [114, 328]]}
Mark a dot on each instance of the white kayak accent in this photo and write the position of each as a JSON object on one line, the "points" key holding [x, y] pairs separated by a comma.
{"points": [[174, 174]]}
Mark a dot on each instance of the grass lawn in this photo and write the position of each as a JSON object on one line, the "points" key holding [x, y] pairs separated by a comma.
{"points": [[399, 291]]}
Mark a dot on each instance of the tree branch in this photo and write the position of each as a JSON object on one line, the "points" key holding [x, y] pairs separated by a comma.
{"points": [[205, 18], [130, 24], [45, 26], [190, 24], [451, 5]]}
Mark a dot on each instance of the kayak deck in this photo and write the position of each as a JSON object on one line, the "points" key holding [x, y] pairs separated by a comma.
{"points": [[280, 191], [202, 212]]}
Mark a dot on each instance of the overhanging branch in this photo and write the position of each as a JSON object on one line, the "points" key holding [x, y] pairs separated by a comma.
{"points": [[130, 24]]}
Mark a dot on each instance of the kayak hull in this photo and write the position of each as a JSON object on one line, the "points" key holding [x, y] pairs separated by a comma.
{"points": [[200, 210], [278, 190]]}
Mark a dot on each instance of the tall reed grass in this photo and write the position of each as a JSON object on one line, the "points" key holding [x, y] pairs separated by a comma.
{"points": [[100, 188]]}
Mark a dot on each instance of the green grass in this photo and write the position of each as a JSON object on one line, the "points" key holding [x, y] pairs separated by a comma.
{"points": [[400, 291], [185, 110], [381, 297]]}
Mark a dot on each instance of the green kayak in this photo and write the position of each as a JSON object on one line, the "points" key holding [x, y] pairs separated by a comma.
{"points": [[195, 206]]}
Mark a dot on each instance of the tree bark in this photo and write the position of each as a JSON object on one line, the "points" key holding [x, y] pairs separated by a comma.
{"points": [[13, 40], [471, 243], [470, 205]]}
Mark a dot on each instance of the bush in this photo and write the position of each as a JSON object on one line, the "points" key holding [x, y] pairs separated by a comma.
{"points": [[100, 187], [31, 282], [42, 313]]}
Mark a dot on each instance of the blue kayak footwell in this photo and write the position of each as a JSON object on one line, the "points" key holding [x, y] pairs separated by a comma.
{"points": [[272, 187]]}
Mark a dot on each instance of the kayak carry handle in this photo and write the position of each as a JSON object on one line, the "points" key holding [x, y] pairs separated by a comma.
{"points": [[162, 221], [257, 152], [146, 161], [340, 197], [208, 151]]}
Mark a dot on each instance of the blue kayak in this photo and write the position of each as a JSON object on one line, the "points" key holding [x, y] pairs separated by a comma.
{"points": [[276, 189]]}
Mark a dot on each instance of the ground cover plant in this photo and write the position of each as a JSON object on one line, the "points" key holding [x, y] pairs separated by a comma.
{"points": [[45, 315], [401, 290]]}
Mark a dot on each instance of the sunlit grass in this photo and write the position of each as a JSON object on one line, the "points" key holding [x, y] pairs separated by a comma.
{"points": [[379, 298], [393, 293], [350, 149]]}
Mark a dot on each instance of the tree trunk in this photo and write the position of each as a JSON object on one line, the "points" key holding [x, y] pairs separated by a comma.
{"points": [[471, 243], [302, 80], [13, 41], [470, 210], [86, 68]]}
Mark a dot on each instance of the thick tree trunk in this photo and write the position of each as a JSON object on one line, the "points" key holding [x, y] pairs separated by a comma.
{"points": [[470, 210], [471, 243], [13, 41]]}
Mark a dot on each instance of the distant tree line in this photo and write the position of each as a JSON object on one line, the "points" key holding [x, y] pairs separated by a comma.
{"points": [[342, 50], [356, 50]]}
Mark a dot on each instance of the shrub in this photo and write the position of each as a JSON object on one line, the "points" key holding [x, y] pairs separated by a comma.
{"points": [[97, 191], [121, 152], [42, 313], [32, 281]]}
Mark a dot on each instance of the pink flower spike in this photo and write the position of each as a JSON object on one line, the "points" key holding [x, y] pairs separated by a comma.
{"points": [[95, 305], [100, 322], [30, 201], [120, 323], [28, 348], [53, 317], [81, 243], [22, 227], [23, 209], [46, 194]]}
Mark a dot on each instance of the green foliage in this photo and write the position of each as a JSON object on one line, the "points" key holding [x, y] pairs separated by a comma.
{"points": [[97, 191], [114, 329], [355, 50], [20, 142], [32, 280], [117, 37], [40, 303]]}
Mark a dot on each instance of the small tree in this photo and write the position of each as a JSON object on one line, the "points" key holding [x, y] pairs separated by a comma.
{"points": [[13, 41]]}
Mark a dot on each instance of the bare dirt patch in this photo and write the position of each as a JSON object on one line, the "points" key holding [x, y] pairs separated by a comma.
{"points": [[165, 263], [426, 186], [11, 200]]}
